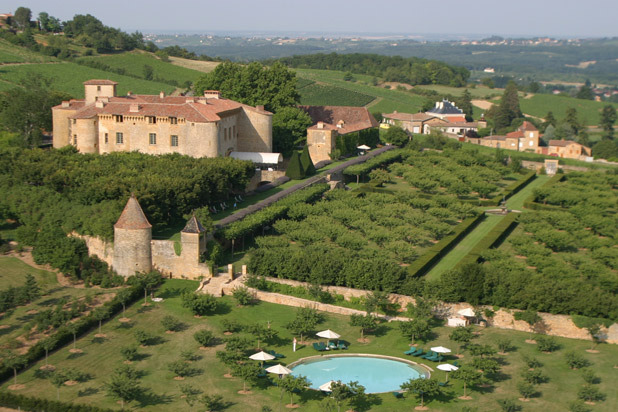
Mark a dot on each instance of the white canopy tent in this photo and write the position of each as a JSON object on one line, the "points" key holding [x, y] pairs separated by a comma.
{"points": [[267, 159]]}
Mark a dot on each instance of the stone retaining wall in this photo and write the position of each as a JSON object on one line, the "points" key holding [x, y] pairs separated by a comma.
{"points": [[554, 325]]}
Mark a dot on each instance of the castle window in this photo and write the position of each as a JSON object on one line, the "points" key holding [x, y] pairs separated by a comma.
{"points": [[98, 88], [225, 133], [234, 131], [74, 121], [106, 138], [118, 118], [75, 139], [152, 119], [152, 138], [173, 120], [174, 140], [119, 138]]}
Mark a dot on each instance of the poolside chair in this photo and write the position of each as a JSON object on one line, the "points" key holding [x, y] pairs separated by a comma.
{"points": [[410, 351], [317, 346], [428, 355], [398, 395], [342, 345], [276, 355], [443, 383], [419, 352], [456, 363], [262, 373]]}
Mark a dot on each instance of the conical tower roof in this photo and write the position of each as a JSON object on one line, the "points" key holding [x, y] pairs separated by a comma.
{"points": [[193, 226], [132, 216]]}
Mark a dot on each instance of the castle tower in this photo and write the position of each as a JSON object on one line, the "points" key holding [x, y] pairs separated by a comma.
{"points": [[95, 89], [193, 239], [132, 237]]}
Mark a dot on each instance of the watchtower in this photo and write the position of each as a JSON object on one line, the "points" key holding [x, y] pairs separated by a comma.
{"points": [[132, 237]]}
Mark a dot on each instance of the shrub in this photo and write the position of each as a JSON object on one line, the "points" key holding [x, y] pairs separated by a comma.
{"points": [[576, 360], [590, 377], [535, 377], [129, 352], [295, 169], [230, 325], [526, 389], [172, 324], [204, 337], [242, 295], [199, 303], [531, 362], [508, 405], [547, 344], [590, 393], [144, 338]]}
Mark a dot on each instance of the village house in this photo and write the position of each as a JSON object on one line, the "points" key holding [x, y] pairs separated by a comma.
{"points": [[566, 149], [204, 126], [524, 139], [329, 122], [410, 122]]}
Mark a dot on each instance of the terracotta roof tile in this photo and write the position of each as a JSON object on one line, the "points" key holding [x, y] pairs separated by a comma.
{"points": [[99, 82], [132, 216], [561, 143], [354, 118]]}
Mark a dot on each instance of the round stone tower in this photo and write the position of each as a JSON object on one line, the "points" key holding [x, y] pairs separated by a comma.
{"points": [[132, 237]]}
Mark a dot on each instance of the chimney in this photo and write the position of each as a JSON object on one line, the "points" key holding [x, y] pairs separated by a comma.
{"points": [[260, 107], [66, 104], [161, 95], [212, 94], [320, 125], [99, 104], [340, 124], [189, 100], [129, 93], [134, 108]]}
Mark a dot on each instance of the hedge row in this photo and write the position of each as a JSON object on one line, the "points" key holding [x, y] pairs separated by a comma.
{"points": [[63, 336], [380, 160], [508, 191], [347, 143], [491, 239], [530, 201], [274, 212], [26, 403], [437, 251]]}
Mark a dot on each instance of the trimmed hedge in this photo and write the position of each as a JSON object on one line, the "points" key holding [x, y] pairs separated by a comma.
{"points": [[347, 143], [26, 403], [491, 239], [508, 191], [382, 159], [437, 251], [530, 202], [274, 212], [63, 336]]}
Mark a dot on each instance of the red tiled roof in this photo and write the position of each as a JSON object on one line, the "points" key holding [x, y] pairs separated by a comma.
{"points": [[517, 134], [132, 216], [526, 126], [192, 109], [98, 82], [408, 117], [354, 118], [459, 124], [325, 126], [561, 143]]}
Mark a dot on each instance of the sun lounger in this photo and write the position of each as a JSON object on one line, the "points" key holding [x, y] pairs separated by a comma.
{"points": [[319, 346], [398, 395], [419, 352], [410, 351], [428, 355], [332, 346], [276, 355], [342, 345], [456, 363]]}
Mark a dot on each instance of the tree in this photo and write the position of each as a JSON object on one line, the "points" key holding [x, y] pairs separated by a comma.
{"points": [[363, 322], [590, 377], [199, 303], [27, 109], [339, 392], [295, 169], [461, 335], [229, 358], [534, 376], [49, 23], [49, 344], [123, 297], [508, 405], [289, 129], [547, 344], [585, 92], [550, 120], [482, 350], [509, 109], [292, 384], [204, 337], [306, 162], [212, 402], [31, 288], [58, 378], [590, 393], [129, 353], [531, 317], [395, 135], [468, 375], [189, 393], [594, 329], [422, 388], [73, 328], [570, 118], [148, 72], [415, 329], [526, 389], [305, 322], [21, 18], [124, 385], [261, 332], [146, 281], [575, 360], [608, 118], [252, 84], [465, 104], [99, 314], [376, 300], [13, 361], [179, 368], [248, 372], [504, 345], [379, 176], [172, 324], [143, 338]]}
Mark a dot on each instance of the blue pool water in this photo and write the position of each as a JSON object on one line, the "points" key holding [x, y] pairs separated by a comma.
{"points": [[374, 373]]}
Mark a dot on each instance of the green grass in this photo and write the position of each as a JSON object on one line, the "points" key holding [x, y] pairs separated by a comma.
{"points": [[387, 100], [68, 77], [479, 92], [328, 95], [100, 357], [13, 273], [588, 111], [133, 63], [9, 53], [464, 247]]}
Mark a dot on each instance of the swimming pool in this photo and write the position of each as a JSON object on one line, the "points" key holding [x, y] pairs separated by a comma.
{"points": [[376, 373]]}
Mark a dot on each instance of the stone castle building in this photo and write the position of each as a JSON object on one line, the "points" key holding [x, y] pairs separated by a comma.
{"points": [[206, 126], [134, 250]]}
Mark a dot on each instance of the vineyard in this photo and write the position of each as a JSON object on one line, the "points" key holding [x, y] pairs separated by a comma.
{"points": [[326, 95]]}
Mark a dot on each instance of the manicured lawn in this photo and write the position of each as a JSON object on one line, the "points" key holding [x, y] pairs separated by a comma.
{"points": [[481, 230], [588, 111], [13, 273]]}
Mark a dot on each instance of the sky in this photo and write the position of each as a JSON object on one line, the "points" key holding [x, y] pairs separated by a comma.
{"points": [[526, 18]]}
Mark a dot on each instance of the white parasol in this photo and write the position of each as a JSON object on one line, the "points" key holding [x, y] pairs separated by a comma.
{"points": [[278, 369], [447, 367], [326, 387], [467, 312], [262, 356], [441, 349], [363, 147], [328, 334]]}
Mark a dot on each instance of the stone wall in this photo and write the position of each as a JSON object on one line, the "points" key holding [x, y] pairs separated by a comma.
{"points": [[97, 247], [555, 325], [540, 165], [263, 176]]}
